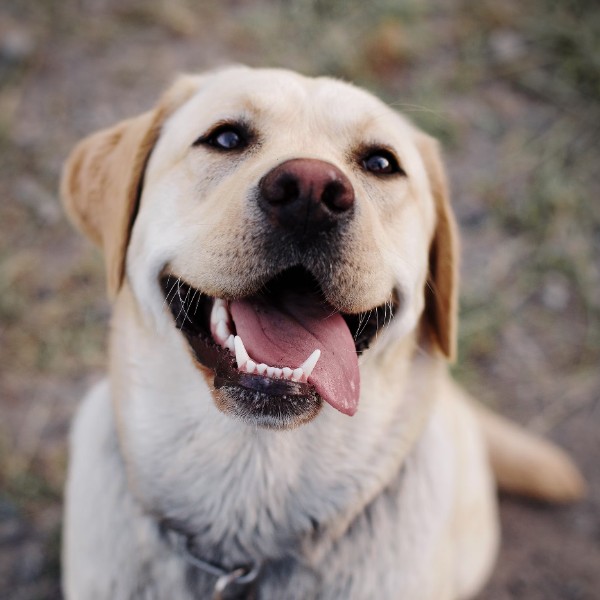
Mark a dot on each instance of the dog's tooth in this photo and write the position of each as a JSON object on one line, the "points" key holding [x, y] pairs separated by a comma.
{"points": [[297, 374], [219, 311], [241, 356], [277, 373], [270, 371], [250, 366], [261, 368], [222, 332], [309, 364], [287, 372], [222, 314], [230, 344]]}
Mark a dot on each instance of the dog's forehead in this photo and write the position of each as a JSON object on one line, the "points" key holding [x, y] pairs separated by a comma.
{"points": [[272, 97]]}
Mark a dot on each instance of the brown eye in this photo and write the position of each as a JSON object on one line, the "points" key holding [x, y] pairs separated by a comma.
{"points": [[381, 162]]}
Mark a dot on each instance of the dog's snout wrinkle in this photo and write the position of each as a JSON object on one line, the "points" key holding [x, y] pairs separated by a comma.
{"points": [[306, 194]]}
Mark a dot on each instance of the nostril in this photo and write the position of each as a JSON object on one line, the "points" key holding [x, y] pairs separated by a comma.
{"points": [[281, 189], [337, 196], [290, 189]]}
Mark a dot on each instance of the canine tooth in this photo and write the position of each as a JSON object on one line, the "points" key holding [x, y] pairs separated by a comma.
{"points": [[250, 366], [261, 368], [297, 374], [287, 372], [230, 344], [241, 356], [277, 373], [309, 364], [222, 331], [270, 371]]}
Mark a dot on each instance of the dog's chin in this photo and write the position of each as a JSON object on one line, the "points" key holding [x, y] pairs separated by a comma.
{"points": [[269, 411], [272, 397]]}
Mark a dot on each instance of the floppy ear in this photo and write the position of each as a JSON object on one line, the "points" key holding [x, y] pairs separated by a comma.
{"points": [[441, 294], [102, 178]]}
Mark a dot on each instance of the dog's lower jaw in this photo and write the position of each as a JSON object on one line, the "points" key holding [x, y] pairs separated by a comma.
{"points": [[248, 402], [256, 408]]}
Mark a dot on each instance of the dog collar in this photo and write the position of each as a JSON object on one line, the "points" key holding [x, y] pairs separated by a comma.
{"points": [[231, 584]]}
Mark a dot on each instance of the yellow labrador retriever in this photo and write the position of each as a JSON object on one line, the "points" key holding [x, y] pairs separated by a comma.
{"points": [[278, 421]]}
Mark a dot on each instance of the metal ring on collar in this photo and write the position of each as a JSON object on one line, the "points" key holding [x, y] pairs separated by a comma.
{"points": [[237, 577]]}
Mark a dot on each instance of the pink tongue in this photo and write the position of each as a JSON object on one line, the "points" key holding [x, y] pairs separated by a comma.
{"points": [[284, 333]]}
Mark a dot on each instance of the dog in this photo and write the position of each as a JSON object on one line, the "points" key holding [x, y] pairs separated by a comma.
{"points": [[278, 421]]}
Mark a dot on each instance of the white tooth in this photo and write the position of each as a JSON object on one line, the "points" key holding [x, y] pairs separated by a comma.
{"points": [[222, 314], [261, 368], [250, 366], [287, 372], [222, 331], [297, 374], [216, 314], [309, 364], [229, 344], [241, 356], [277, 373], [270, 371]]}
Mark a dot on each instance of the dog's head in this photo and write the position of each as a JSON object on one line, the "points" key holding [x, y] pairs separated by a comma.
{"points": [[282, 224]]}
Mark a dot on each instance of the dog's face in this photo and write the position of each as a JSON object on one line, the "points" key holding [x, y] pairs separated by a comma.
{"points": [[284, 225]]}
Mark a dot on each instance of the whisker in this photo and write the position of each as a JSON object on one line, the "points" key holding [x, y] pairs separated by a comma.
{"points": [[165, 300], [365, 323], [182, 307], [197, 295], [175, 287], [360, 321]]}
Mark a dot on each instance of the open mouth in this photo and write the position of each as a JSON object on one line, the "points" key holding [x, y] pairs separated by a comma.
{"points": [[281, 352]]}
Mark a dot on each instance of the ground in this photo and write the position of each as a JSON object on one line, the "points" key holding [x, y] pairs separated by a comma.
{"points": [[511, 89]]}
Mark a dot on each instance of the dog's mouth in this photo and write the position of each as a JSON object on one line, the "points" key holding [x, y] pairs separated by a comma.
{"points": [[281, 351]]}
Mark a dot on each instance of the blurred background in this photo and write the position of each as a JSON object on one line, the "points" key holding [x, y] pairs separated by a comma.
{"points": [[511, 88]]}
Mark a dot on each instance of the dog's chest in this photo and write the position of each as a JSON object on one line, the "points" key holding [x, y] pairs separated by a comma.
{"points": [[387, 545], [387, 548]]}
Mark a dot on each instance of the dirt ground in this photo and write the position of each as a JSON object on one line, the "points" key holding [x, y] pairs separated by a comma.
{"points": [[511, 89]]}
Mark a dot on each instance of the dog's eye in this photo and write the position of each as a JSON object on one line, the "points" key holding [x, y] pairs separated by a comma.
{"points": [[225, 137], [381, 162]]}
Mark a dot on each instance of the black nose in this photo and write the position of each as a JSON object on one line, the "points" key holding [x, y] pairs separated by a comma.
{"points": [[306, 194]]}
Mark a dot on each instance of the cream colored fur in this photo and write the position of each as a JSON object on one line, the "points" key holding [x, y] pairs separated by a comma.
{"points": [[150, 442]]}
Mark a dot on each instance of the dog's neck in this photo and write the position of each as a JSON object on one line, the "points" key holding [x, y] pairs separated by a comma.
{"points": [[247, 492]]}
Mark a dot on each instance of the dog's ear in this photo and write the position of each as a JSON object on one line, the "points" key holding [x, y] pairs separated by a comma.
{"points": [[102, 178], [441, 294], [100, 186]]}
